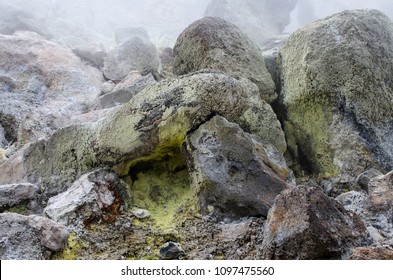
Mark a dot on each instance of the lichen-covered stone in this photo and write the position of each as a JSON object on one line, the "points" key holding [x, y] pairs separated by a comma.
{"points": [[337, 92], [30, 237], [136, 53], [151, 127], [306, 224], [217, 44], [232, 172]]}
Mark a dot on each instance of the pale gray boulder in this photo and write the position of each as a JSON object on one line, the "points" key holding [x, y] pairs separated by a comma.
{"points": [[218, 44], [30, 237], [136, 53], [337, 93]]}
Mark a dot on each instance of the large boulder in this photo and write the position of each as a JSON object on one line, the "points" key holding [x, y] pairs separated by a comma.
{"points": [[30, 237], [218, 44], [232, 172], [136, 53], [42, 85], [152, 126], [260, 19], [306, 224], [337, 93]]}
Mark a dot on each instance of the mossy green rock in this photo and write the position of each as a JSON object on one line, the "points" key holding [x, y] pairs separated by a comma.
{"points": [[151, 127], [217, 44], [337, 90]]}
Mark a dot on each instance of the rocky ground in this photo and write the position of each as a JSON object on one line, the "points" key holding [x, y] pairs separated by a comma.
{"points": [[219, 148]]}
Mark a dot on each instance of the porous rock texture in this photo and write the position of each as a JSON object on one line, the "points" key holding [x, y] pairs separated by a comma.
{"points": [[260, 19], [337, 93], [304, 223], [17, 194], [95, 197], [126, 89], [232, 173], [30, 237], [42, 85], [375, 207], [218, 44], [153, 125], [373, 253], [136, 53]]}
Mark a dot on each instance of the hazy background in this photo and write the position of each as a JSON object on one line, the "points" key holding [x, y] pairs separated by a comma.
{"points": [[76, 22], [307, 11]]}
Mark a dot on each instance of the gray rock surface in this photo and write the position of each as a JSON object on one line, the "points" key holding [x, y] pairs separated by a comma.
{"points": [[306, 224], [13, 19], [122, 34], [364, 178], [137, 53], [218, 44], [153, 125], [232, 172], [171, 251], [374, 209], [260, 19], [92, 53], [380, 190], [29, 237], [42, 86], [17, 194], [337, 93], [107, 87], [126, 89], [95, 198]]}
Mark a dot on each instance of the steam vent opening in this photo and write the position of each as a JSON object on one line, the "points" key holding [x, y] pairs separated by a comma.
{"points": [[162, 187]]}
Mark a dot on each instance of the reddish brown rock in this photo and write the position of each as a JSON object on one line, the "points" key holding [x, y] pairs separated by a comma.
{"points": [[380, 190], [367, 253], [306, 224]]}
